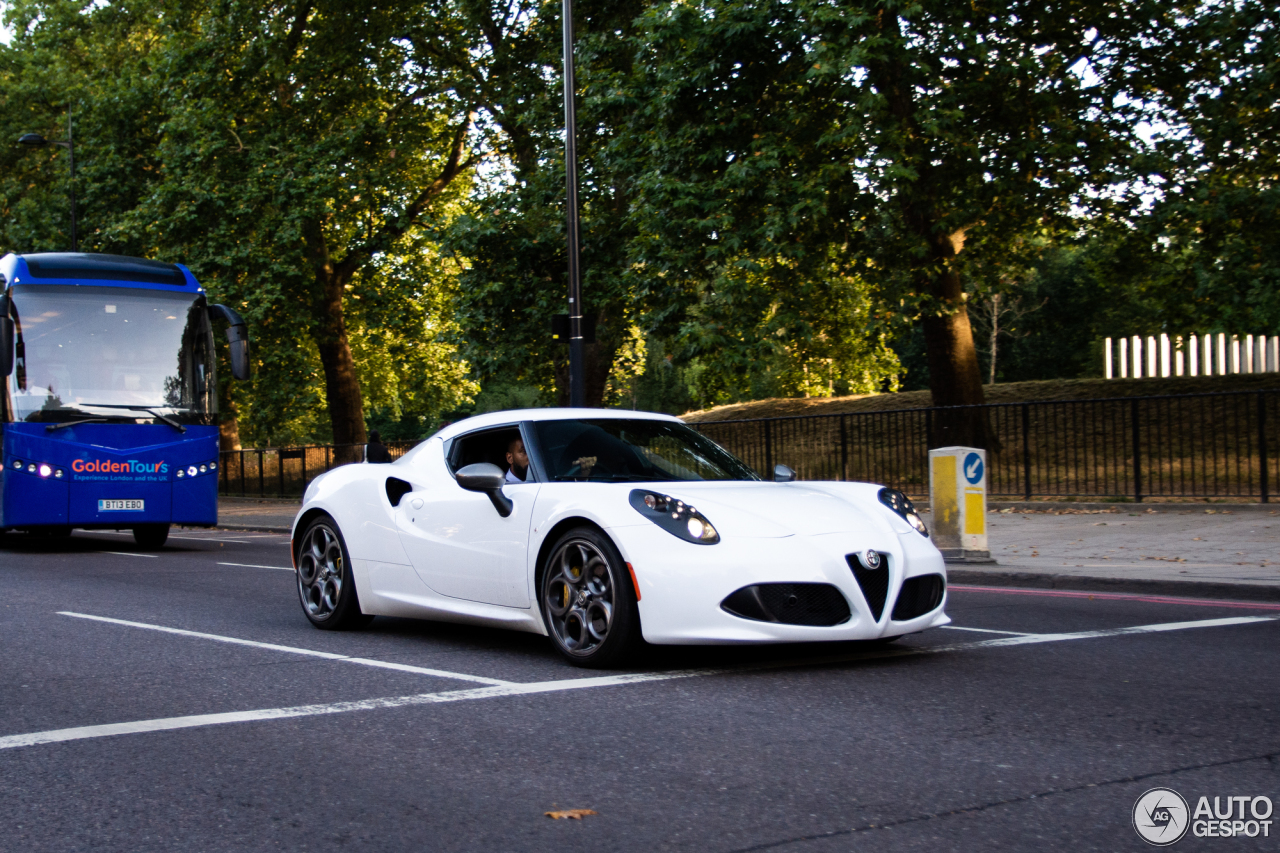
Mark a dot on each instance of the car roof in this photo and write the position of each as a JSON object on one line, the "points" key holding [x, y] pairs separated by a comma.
{"points": [[512, 416]]}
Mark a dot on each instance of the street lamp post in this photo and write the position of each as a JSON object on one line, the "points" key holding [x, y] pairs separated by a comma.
{"points": [[577, 379], [35, 140]]}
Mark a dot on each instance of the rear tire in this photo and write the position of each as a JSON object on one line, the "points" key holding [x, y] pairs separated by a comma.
{"points": [[326, 588], [588, 602], [151, 537]]}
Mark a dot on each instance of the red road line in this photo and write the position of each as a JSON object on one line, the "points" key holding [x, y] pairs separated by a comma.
{"points": [[1118, 596]]}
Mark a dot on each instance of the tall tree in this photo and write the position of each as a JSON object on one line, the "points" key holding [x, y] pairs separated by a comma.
{"points": [[294, 148], [916, 137]]}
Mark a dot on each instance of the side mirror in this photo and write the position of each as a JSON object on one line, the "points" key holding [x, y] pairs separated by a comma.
{"points": [[237, 338], [487, 477], [6, 346], [783, 474]]}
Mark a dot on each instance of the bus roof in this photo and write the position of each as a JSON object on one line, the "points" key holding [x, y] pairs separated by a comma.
{"points": [[84, 268]]}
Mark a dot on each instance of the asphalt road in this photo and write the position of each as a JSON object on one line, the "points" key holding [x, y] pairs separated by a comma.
{"points": [[1033, 724]]}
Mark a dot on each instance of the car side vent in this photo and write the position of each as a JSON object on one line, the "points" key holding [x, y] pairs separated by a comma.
{"points": [[816, 604], [919, 595], [873, 582], [396, 489]]}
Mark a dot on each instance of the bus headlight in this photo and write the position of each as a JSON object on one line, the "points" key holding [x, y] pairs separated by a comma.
{"points": [[46, 469]]}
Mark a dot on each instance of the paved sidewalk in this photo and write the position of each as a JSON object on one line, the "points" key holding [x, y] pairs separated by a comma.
{"points": [[1170, 549], [270, 514], [1224, 551]]}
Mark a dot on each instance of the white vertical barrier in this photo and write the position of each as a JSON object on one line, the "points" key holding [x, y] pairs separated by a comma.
{"points": [[1235, 353], [1248, 355], [1222, 354], [1137, 357], [1177, 356], [1106, 358], [1193, 351], [1164, 355], [1273, 359], [1124, 358], [1153, 368]]}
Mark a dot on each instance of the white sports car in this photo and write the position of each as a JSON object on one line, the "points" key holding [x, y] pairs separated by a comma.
{"points": [[603, 527]]}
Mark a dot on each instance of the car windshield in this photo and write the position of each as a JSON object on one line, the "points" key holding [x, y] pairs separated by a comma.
{"points": [[110, 352], [614, 450]]}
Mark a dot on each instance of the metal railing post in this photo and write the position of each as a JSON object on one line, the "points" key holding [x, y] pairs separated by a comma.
{"points": [[280, 467], [243, 486], [768, 452], [844, 450], [262, 462], [1137, 449], [1262, 447], [1026, 450]]}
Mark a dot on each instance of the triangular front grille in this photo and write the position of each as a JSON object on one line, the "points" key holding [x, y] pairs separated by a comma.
{"points": [[873, 582]]}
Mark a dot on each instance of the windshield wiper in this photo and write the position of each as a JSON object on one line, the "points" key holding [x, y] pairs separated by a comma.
{"points": [[170, 421], [52, 427], [150, 411]]}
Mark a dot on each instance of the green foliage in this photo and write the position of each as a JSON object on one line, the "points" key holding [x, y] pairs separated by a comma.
{"points": [[282, 154]]}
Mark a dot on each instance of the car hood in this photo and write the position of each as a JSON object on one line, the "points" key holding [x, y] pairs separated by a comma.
{"points": [[769, 510]]}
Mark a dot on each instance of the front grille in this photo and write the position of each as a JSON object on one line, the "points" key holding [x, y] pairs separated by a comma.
{"points": [[919, 595], [873, 582], [816, 604]]}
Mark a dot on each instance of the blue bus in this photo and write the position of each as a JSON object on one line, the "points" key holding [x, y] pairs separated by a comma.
{"points": [[109, 411]]}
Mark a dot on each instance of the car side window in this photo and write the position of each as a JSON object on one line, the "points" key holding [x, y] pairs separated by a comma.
{"points": [[490, 446]]}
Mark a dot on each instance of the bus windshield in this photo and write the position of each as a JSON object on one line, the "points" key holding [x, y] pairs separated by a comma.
{"points": [[111, 353]]}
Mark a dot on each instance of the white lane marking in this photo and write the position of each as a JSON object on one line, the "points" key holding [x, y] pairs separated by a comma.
{"points": [[255, 566], [170, 723], [378, 664], [130, 554], [510, 689], [986, 630], [171, 536]]}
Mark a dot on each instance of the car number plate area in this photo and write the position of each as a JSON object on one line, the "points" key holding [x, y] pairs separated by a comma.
{"points": [[109, 505]]}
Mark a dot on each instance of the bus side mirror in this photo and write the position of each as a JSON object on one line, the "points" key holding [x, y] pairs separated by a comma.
{"points": [[6, 346], [237, 338]]}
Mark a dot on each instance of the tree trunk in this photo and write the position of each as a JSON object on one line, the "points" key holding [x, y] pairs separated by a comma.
{"points": [[341, 385], [955, 378]]}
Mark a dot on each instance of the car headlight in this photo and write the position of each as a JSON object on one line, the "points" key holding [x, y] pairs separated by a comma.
{"points": [[902, 505], [674, 516]]}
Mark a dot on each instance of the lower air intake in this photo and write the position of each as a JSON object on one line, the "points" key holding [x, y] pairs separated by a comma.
{"points": [[873, 582], [816, 604], [919, 595]]}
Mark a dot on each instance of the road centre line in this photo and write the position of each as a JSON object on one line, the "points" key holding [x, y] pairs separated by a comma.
{"points": [[129, 554], [171, 536], [987, 630], [513, 689], [378, 664], [255, 566], [1119, 596]]}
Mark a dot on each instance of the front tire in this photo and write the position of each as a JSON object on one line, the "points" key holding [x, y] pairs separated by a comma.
{"points": [[325, 585], [588, 602], [151, 537]]}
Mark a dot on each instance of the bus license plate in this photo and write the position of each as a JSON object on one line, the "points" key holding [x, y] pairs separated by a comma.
{"points": [[121, 506]]}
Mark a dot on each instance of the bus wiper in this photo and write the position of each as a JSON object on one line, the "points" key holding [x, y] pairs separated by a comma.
{"points": [[170, 421], [52, 427], [150, 411]]}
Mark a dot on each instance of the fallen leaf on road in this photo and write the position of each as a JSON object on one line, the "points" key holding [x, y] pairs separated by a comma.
{"points": [[570, 814]]}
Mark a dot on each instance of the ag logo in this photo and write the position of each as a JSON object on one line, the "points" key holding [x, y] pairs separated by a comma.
{"points": [[1160, 816], [973, 469]]}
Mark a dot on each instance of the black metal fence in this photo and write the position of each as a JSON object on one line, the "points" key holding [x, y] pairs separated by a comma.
{"points": [[277, 472], [1220, 445], [1223, 445]]}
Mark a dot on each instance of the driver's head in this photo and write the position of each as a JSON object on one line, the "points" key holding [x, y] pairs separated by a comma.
{"points": [[517, 458]]}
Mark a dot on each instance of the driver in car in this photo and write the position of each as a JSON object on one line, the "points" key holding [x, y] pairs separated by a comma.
{"points": [[517, 462]]}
